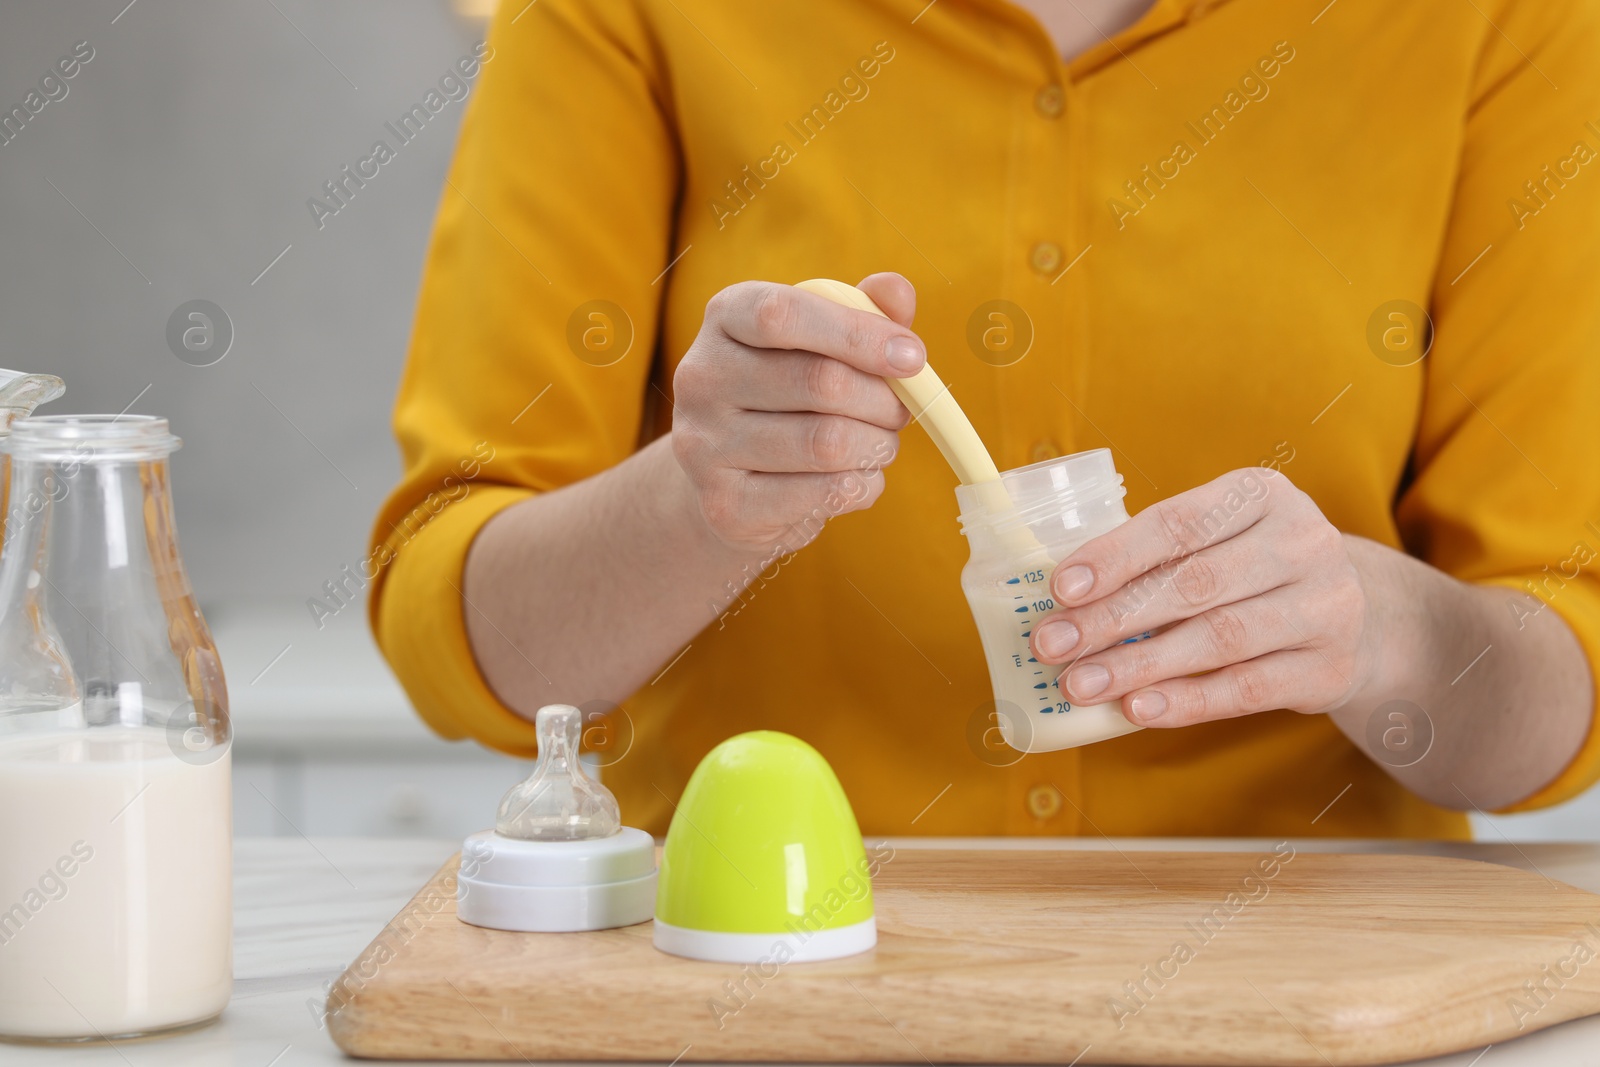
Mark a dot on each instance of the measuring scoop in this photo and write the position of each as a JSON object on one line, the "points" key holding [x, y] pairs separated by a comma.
{"points": [[928, 398]]}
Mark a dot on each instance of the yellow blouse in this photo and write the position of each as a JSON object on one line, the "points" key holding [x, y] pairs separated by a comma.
{"points": [[1213, 235]]}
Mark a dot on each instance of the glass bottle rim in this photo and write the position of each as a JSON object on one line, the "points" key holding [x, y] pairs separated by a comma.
{"points": [[90, 438]]}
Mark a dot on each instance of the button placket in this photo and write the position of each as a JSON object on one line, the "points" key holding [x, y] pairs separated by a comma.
{"points": [[1033, 424]]}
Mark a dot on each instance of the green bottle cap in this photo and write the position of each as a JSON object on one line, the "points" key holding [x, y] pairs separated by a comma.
{"points": [[764, 860]]}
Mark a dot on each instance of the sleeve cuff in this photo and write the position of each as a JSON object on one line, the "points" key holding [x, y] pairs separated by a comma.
{"points": [[417, 615]]}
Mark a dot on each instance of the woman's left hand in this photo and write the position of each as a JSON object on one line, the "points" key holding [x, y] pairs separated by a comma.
{"points": [[1259, 591]]}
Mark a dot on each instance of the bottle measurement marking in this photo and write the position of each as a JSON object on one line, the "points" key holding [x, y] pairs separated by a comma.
{"points": [[1029, 608]]}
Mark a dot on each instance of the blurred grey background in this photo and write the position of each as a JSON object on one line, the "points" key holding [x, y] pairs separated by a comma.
{"points": [[191, 143], [177, 167]]}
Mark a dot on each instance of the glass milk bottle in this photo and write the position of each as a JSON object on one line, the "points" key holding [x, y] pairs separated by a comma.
{"points": [[115, 802], [1019, 528]]}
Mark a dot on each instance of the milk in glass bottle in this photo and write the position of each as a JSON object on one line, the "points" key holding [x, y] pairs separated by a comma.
{"points": [[115, 821]]}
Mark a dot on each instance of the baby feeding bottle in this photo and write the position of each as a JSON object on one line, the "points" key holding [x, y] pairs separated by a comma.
{"points": [[1019, 528], [115, 801], [1020, 524]]}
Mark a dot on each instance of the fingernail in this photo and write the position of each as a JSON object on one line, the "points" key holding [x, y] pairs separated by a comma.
{"points": [[1073, 582], [904, 354], [1056, 639], [1147, 707], [1087, 680]]}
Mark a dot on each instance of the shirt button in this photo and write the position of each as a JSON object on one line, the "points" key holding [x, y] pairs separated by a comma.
{"points": [[1044, 450], [1046, 257], [1050, 101], [1044, 801]]}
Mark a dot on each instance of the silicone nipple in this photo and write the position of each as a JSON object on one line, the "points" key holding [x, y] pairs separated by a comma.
{"points": [[558, 801]]}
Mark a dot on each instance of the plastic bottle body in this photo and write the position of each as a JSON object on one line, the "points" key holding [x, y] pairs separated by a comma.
{"points": [[1019, 529], [115, 786]]}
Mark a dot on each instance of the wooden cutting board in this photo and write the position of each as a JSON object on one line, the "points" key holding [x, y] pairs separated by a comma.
{"points": [[1024, 957]]}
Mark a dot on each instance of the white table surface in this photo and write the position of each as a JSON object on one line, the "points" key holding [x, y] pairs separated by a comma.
{"points": [[305, 908]]}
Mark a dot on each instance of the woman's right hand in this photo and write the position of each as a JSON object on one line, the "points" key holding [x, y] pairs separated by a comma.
{"points": [[782, 419]]}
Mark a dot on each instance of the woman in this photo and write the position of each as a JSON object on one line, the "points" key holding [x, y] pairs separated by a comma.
{"points": [[1199, 234]]}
